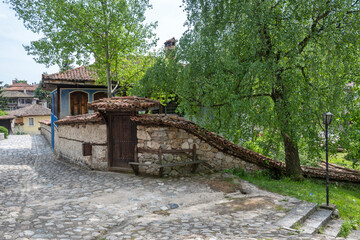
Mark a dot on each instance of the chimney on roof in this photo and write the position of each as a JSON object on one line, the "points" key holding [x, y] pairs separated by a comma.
{"points": [[170, 44], [25, 90], [43, 103], [13, 81]]}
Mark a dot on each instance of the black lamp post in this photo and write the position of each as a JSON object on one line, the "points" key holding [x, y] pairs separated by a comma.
{"points": [[327, 117]]}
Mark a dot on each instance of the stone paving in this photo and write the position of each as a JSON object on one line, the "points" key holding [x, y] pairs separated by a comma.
{"points": [[44, 198]]}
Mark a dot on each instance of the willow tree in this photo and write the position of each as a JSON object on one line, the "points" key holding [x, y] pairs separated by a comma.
{"points": [[266, 67], [78, 31]]}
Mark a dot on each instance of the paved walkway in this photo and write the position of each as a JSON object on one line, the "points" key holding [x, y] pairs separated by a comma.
{"points": [[43, 198]]}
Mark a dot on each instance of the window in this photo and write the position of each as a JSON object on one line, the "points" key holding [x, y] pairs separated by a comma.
{"points": [[99, 95], [31, 121]]}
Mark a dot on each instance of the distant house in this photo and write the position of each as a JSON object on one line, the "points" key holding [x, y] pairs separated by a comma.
{"points": [[19, 94], [17, 99], [70, 93], [22, 86], [27, 118]]}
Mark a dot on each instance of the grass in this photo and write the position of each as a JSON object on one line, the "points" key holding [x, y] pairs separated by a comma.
{"points": [[346, 197], [339, 159]]}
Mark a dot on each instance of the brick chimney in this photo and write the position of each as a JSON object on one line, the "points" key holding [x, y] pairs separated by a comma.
{"points": [[170, 44]]}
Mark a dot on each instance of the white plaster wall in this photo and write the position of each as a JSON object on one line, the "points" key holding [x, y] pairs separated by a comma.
{"points": [[69, 144]]}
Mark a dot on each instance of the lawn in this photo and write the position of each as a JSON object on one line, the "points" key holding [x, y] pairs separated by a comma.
{"points": [[345, 196], [339, 159]]}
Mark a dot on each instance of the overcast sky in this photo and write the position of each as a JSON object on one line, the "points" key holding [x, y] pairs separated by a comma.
{"points": [[15, 63]]}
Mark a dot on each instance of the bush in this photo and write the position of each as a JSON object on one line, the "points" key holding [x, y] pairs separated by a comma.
{"points": [[4, 130]]}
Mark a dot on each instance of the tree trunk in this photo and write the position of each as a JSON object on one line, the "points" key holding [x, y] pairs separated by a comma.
{"points": [[108, 80], [292, 160]]}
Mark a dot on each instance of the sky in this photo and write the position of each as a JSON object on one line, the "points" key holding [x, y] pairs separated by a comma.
{"points": [[15, 63]]}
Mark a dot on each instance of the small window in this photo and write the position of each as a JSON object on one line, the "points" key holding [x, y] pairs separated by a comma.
{"points": [[31, 121]]}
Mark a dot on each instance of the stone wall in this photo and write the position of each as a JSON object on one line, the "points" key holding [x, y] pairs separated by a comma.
{"points": [[70, 140], [175, 138], [45, 130]]}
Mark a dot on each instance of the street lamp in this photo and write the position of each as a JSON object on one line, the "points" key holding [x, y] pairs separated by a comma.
{"points": [[327, 117]]}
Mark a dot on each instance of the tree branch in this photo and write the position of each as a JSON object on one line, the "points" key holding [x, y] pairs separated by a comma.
{"points": [[305, 41]]}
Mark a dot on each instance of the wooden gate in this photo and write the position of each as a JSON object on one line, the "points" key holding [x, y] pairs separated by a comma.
{"points": [[122, 140]]}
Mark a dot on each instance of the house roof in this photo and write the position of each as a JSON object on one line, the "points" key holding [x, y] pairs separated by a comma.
{"points": [[6, 117], [84, 118], [15, 94], [82, 76], [123, 104], [77, 74], [46, 122], [20, 86], [31, 110]]}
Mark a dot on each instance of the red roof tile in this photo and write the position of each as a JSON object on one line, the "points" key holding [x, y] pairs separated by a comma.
{"points": [[20, 86], [84, 118], [46, 122], [123, 103], [77, 74]]}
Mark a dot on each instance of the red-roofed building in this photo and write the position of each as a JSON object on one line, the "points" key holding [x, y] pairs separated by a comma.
{"points": [[19, 94], [22, 86], [71, 91]]}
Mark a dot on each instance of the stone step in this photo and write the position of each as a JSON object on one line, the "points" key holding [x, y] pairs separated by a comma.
{"points": [[333, 228], [316, 221], [354, 235], [297, 215]]}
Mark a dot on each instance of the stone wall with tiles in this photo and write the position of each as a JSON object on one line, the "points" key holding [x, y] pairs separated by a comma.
{"points": [[69, 140], [153, 137], [45, 130]]}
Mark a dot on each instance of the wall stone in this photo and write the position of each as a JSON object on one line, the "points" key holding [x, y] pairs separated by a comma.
{"points": [[69, 141], [70, 138], [45, 130], [93, 133], [174, 138]]}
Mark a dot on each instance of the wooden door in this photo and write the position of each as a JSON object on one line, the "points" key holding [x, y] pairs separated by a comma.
{"points": [[78, 103], [122, 141]]}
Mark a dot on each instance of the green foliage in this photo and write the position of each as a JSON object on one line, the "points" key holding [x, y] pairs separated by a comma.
{"points": [[159, 80], [265, 66], [4, 130], [3, 101], [345, 196], [42, 94], [341, 159], [350, 136], [78, 31], [2, 113]]}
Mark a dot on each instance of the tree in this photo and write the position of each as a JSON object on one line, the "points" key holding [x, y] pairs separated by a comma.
{"points": [[107, 31], [3, 102], [267, 68], [42, 94]]}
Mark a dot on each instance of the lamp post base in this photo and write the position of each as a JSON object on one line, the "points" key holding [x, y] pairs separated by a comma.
{"points": [[330, 206]]}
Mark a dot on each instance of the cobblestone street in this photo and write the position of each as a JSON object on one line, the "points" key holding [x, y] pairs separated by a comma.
{"points": [[43, 198]]}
